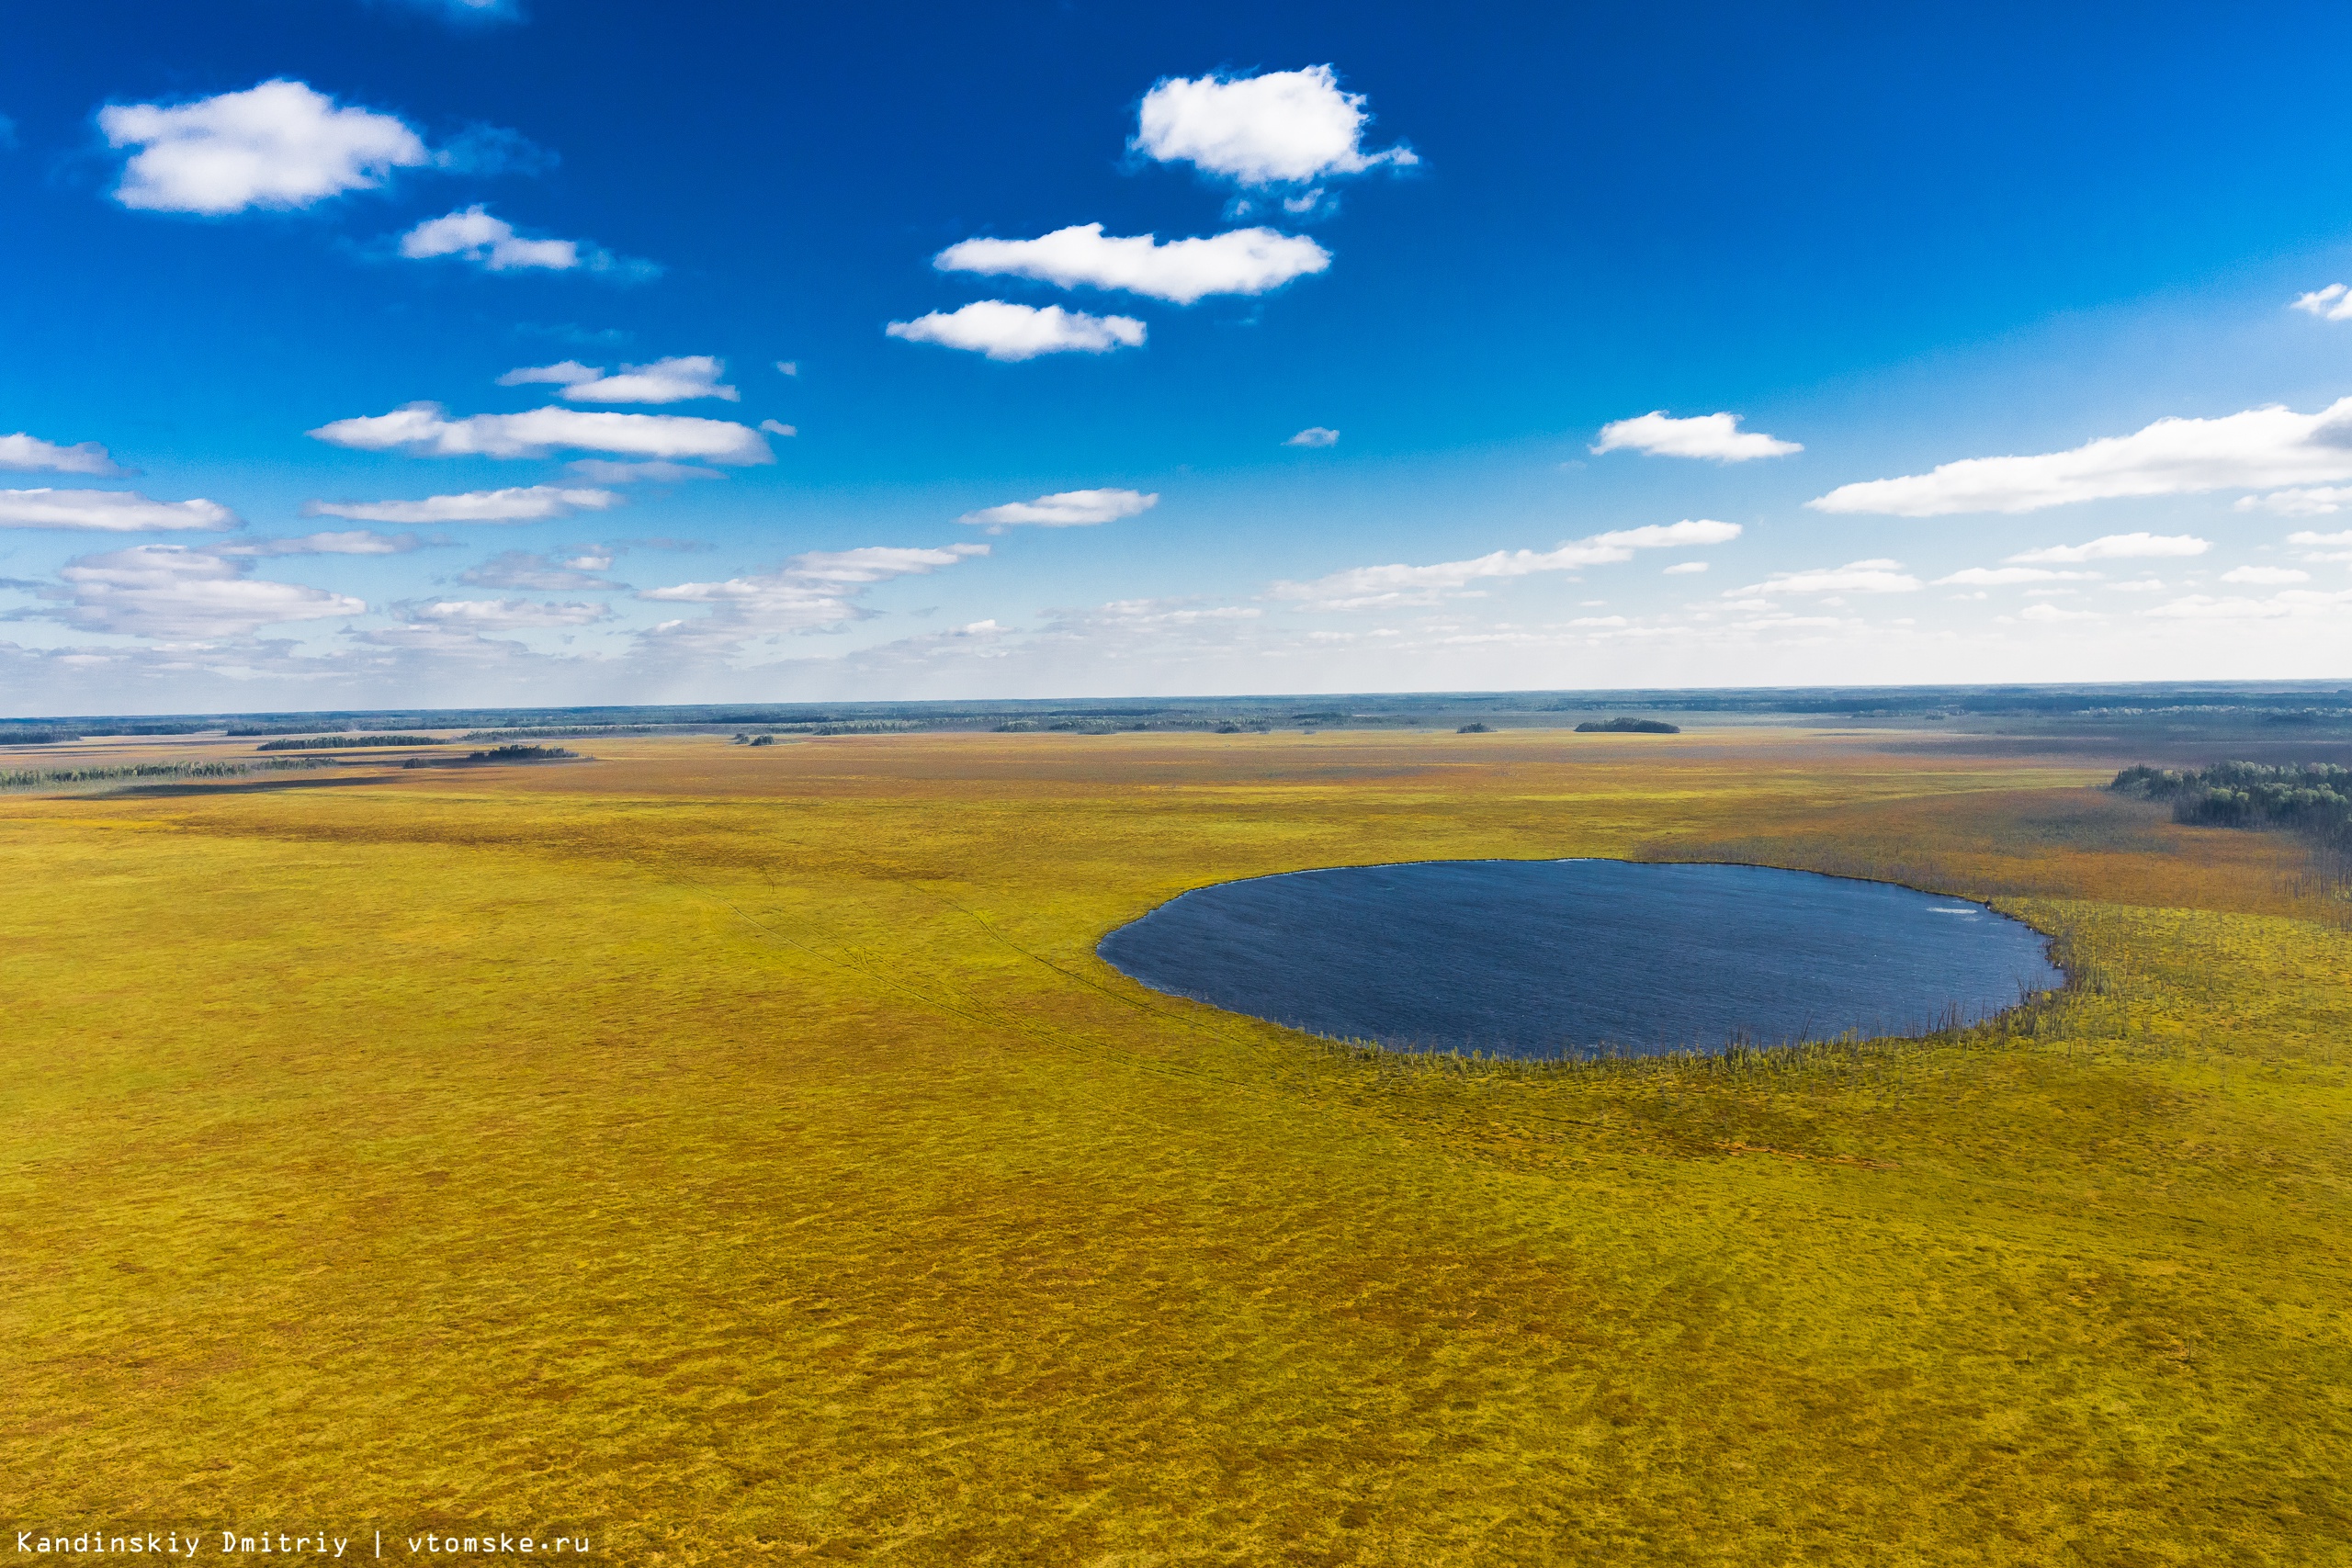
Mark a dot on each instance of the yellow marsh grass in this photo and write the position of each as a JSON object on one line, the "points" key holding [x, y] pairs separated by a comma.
{"points": [[742, 1156]]}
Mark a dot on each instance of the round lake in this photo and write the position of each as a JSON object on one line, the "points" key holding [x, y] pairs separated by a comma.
{"points": [[1579, 957]]}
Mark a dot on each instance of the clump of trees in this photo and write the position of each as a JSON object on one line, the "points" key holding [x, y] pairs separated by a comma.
{"points": [[344, 742], [495, 754], [1475, 729], [1627, 726], [2312, 798]]}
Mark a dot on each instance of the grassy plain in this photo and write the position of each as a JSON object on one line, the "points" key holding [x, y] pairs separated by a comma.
{"points": [[741, 1157]]}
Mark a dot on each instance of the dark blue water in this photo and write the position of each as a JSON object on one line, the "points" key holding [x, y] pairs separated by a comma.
{"points": [[1575, 958]]}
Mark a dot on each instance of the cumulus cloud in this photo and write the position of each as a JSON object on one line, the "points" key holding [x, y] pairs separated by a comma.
{"points": [[529, 503], [1686, 568], [521, 569], [1854, 577], [2333, 303], [1715, 437], [2313, 501], [1009, 331], [503, 615], [2305, 537], [1383, 587], [28, 454], [664, 381], [2115, 546], [426, 430], [280, 144], [777, 427], [493, 244], [2005, 576], [108, 511], [1244, 261], [2257, 449], [1278, 128], [811, 591], [2264, 576], [1314, 435], [1070, 509], [176, 594]]}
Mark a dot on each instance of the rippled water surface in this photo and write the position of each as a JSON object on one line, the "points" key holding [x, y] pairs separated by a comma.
{"points": [[1545, 958]]}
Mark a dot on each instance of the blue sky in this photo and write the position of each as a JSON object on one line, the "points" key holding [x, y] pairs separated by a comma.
{"points": [[1473, 348]]}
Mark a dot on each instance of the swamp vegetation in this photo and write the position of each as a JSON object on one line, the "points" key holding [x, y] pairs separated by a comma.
{"points": [[761, 1167]]}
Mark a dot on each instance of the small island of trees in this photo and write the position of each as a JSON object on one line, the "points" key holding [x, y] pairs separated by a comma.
{"points": [[1627, 726]]}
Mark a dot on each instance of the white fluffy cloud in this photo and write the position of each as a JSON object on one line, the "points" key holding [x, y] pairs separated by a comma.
{"points": [[28, 454], [1716, 436], [1009, 331], [2333, 303], [2115, 546], [2313, 501], [108, 511], [2305, 537], [1244, 261], [1854, 577], [2257, 449], [810, 593], [1279, 128], [2264, 576], [176, 593], [2008, 576], [522, 503], [1314, 435], [426, 430], [1069, 509], [664, 381], [280, 144], [1383, 587], [505, 614], [1686, 568], [491, 242]]}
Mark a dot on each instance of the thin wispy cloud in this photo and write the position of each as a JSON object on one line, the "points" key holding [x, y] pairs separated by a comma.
{"points": [[280, 144], [178, 593], [1877, 576], [1274, 129], [426, 430], [348, 542], [1381, 587], [813, 591], [529, 503], [474, 234], [1314, 435], [2255, 450], [2115, 546], [677, 381], [1069, 509], [1244, 261], [1713, 437], [1011, 333]]}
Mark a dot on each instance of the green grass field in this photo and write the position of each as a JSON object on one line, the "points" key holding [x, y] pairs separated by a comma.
{"points": [[741, 1157]]}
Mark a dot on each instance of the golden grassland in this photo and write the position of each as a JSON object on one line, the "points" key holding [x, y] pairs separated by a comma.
{"points": [[742, 1156]]}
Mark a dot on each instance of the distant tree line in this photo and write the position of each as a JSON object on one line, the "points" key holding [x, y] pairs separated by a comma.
{"points": [[344, 743], [1627, 726], [49, 778], [2312, 798]]}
